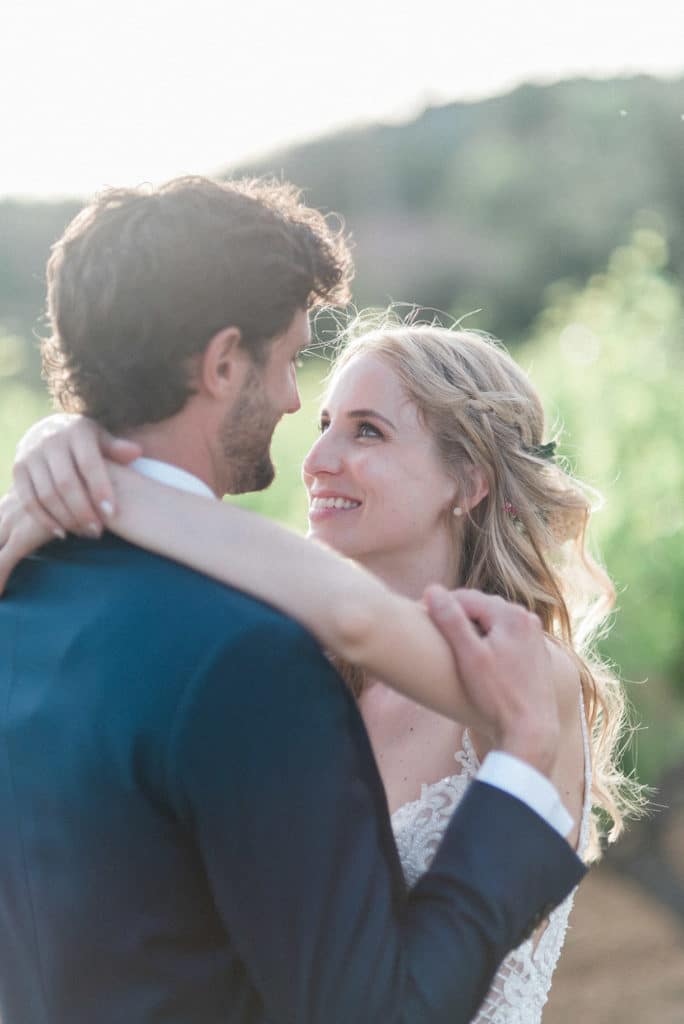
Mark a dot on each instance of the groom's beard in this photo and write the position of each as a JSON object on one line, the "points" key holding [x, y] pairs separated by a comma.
{"points": [[245, 439]]}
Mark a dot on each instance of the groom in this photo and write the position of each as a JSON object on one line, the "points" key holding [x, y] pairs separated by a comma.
{"points": [[193, 826]]}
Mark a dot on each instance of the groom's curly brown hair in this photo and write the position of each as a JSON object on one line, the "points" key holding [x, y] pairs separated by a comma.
{"points": [[142, 279]]}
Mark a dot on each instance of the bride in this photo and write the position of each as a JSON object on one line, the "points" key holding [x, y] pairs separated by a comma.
{"points": [[430, 468]]}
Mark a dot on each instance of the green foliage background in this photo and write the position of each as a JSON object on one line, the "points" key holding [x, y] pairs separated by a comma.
{"points": [[609, 359], [556, 210]]}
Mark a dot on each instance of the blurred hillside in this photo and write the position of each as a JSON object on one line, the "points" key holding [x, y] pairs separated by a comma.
{"points": [[483, 205], [471, 206]]}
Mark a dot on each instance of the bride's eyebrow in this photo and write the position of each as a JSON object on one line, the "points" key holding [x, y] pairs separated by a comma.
{"points": [[360, 414]]}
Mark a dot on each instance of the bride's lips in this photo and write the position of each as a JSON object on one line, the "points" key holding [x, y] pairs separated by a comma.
{"points": [[326, 504]]}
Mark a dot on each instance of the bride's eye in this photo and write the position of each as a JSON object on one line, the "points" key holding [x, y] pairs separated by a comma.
{"points": [[366, 429]]}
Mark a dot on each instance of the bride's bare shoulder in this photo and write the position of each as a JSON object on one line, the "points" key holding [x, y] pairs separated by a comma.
{"points": [[565, 674]]}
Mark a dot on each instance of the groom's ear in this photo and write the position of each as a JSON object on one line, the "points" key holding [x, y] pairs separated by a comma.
{"points": [[220, 367]]}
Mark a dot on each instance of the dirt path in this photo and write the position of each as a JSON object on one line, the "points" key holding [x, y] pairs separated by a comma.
{"points": [[623, 961]]}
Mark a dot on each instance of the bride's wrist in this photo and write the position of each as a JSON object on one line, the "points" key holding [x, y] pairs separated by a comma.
{"points": [[128, 487]]}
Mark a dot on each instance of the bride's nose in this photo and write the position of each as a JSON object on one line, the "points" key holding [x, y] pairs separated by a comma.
{"points": [[324, 456]]}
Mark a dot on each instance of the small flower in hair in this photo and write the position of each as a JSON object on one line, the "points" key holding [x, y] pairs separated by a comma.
{"points": [[511, 510]]}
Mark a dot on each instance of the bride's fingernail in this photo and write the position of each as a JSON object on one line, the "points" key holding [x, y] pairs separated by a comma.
{"points": [[107, 508], [93, 529], [59, 532]]}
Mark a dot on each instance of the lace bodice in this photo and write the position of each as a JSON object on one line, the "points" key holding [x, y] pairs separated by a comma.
{"points": [[521, 985]]}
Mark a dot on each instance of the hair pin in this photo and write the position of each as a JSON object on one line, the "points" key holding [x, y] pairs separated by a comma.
{"points": [[542, 451]]}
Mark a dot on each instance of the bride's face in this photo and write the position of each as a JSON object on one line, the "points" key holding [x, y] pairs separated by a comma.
{"points": [[377, 488]]}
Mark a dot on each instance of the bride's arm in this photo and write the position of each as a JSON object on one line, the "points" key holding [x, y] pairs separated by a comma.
{"points": [[62, 482], [484, 662], [351, 612], [348, 609]]}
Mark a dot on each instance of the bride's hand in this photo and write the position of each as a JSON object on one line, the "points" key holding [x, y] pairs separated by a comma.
{"points": [[60, 477]]}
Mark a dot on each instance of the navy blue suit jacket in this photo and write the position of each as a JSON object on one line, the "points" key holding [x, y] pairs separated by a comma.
{"points": [[193, 826]]}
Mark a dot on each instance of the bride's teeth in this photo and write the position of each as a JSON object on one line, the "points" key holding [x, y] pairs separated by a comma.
{"points": [[343, 503]]}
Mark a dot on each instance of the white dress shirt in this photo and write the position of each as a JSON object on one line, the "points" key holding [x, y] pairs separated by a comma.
{"points": [[520, 779], [172, 476], [498, 769]]}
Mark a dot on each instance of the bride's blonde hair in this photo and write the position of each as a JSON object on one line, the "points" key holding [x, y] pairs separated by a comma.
{"points": [[526, 539]]}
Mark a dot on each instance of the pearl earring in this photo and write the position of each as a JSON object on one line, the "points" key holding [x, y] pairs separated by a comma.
{"points": [[457, 511]]}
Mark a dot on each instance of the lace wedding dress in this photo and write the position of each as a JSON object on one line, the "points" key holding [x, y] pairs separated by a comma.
{"points": [[521, 986]]}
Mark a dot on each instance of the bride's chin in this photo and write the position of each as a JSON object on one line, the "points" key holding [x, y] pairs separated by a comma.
{"points": [[320, 530], [336, 539]]}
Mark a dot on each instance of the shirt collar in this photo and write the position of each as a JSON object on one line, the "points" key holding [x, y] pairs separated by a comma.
{"points": [[172, 476]]}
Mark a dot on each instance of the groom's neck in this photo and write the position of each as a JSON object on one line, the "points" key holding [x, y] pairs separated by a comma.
{"points": [[180, 444]]}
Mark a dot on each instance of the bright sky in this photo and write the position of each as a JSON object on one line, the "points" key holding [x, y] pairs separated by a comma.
{"points": [[95, 93]]}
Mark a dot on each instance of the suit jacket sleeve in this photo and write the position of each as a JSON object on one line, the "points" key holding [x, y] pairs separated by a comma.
{"points": [[270, 766]]}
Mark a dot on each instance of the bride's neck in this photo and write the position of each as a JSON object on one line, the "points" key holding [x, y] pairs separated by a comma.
{"points": [[411, 575]]}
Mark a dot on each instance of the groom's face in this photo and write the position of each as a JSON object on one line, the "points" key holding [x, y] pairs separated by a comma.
{"points": [[269, 391]]}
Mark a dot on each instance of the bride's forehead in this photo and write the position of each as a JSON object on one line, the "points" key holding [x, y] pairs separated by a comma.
{"points": [[365, 378]]}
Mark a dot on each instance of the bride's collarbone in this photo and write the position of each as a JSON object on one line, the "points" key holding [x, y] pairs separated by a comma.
{"points": [[395, 720], [413, 746]]}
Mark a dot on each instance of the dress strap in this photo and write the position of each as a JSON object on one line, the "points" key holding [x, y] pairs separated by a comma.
{"points": [[583, 840], [467, 757]]}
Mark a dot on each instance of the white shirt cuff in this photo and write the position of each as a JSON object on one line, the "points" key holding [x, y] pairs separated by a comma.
{"points": [[527, 784]]}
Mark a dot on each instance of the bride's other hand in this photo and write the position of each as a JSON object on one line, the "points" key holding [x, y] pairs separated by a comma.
{"points": [[20, 535], [60, 477]]}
